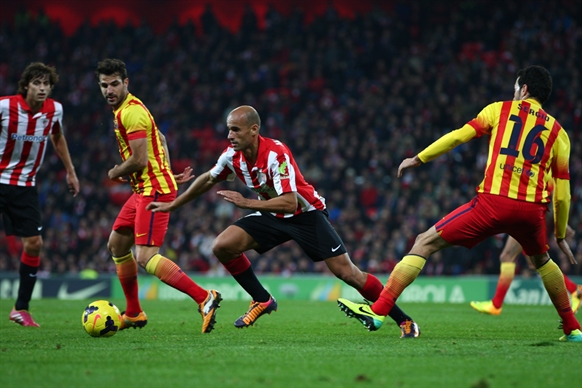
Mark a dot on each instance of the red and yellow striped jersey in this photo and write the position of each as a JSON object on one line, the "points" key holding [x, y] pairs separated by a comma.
{"points": [[527, 148], [132, 120]]}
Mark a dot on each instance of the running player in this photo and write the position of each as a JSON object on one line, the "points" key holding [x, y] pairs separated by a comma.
{"points": [[508, 256], [288, 208], [527, 146]]}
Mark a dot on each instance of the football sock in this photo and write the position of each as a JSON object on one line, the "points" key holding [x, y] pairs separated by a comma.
{"points": [[506, 276], [241, 270], [28, 269], [553, 280], [570, 285], [403, 274], [168, 272], [126, 268], [372, 288]]}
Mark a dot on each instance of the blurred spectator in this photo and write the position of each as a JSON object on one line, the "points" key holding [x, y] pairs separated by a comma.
{"points": [[351, 98]]}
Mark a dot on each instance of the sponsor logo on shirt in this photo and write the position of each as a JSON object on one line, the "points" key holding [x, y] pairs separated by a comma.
{"points": [[31, 138], [283, 171]]}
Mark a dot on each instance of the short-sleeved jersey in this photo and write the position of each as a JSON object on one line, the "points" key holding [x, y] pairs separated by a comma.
{"points": [[23, 137], [132, 120], [273, 174], [527, 148]]}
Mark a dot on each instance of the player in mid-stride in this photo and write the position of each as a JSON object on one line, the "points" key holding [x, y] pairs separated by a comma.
{"points": [[146, 161], [28, 119], [526, 148], [509, 255], [288, 208]]}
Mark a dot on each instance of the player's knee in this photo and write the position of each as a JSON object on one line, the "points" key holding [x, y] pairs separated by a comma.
{"points": [[33, 245], [220, 248]]}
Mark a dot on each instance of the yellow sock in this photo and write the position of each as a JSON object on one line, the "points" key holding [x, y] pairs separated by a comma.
{"points": [[404, 273], [123, 259]]}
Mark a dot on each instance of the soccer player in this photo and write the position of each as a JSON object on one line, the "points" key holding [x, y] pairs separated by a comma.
{"points": [[508, 256], [288, 208], [28, 119], [146, 161], [527, 145]]}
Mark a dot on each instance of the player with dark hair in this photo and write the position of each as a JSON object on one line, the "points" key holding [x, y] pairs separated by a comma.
{"points": [[146, 161], [28, 119], [527, 146], [508, 256], [288, 208]]}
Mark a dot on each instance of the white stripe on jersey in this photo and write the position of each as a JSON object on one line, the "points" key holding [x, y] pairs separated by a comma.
{"points": [[266, 179], [26, 150]]}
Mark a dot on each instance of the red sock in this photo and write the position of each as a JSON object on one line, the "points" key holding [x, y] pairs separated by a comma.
{"points": [[238, 265], [372, 289], [570, 285], [168, 272], [126, 267], [31, 261], [506, 276]]}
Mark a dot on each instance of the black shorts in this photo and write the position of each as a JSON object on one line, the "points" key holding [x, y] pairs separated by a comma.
{"points": [[311, 230], [20, 210]]}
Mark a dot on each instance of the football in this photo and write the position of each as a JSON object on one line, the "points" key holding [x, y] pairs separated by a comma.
{"points": [[101, 319]]}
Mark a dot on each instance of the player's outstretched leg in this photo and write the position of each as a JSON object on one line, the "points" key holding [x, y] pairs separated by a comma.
{"points": [[362, 312], [256, 309], [486, 307], [208, 310]]}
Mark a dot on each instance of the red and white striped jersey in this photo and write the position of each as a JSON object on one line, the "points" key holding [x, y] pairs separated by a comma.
{"points": [[23, 138], [273, 174]]}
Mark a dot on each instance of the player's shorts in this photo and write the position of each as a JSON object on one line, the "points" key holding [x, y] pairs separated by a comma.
{"points": [[20, 210], [311, 230], [487, 215], [148, 228]]}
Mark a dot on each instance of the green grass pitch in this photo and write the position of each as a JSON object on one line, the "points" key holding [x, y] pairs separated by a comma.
{"points": [[304, 344]]}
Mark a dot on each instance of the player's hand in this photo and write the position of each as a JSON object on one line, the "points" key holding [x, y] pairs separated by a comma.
{"points": [[564, 247], [234, 197], [184, 176], [408, 163], [159, 207], [569, 232], [73, 183], [113, 176]]}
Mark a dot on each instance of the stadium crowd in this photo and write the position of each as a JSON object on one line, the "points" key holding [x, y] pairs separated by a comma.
{"points": [[351, 98]]}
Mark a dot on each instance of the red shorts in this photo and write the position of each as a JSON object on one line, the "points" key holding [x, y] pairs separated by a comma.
{"points": [[487, 215], [148, 228]]}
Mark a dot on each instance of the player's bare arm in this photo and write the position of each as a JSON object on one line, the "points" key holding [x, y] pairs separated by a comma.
{"points": [[200, 186], [61, 148], [286, 203], [408, 163], [565, 246], [136, 162]]}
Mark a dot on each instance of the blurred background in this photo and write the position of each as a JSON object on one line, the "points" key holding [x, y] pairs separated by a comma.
{"points": [[352, 87]]}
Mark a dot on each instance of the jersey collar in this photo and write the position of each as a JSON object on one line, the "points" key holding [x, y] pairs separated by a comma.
{"points": [[128, 98], [24, 104]]}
